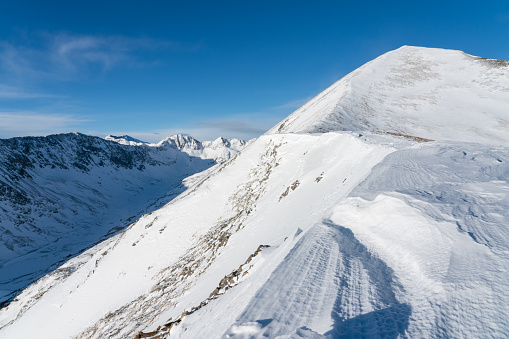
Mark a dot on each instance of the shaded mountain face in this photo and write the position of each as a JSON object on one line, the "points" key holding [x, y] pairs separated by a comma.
{"points": [[61, 194], [344, 220]]}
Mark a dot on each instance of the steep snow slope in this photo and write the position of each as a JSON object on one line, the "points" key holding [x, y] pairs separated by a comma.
{"points": [[430, 93], [311, 235], [178, 254], [417, 249], [61, 194], [368, 235]]}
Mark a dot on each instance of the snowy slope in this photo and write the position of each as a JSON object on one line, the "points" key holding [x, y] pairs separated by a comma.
{"points": [[309, 235], [63, 193], [435, 94]]}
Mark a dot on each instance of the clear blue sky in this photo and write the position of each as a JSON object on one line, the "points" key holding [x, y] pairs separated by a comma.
{"points": [[207, 68]]}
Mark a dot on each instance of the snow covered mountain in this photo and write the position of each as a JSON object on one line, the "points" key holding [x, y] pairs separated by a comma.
{"points": [[126, 140], [62, 194], [379, 209], [220, 149], [431, 93]]}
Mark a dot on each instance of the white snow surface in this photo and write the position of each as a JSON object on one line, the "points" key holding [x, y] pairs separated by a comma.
{"points": [[369, 234]]}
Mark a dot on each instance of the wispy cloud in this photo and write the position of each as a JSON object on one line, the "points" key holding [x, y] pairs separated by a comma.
{"points": [[11, 92], [72, 52], [64, 56], [33, 67], [31, 123], [21, 64], [248, 125]]}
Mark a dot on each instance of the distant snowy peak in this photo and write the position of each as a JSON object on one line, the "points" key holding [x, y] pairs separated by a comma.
{"points": [[180, 142], [235, 144], [425, 92], [125, 140], [220, 149]]}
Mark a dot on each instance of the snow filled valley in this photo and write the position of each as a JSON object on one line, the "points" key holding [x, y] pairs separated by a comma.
{"points": [[379, 209], [64, 193]]}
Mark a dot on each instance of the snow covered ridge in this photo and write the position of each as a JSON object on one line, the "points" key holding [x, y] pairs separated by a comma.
{"points": [[63, 193], [383, 236], [431, 93], [312, 231]]}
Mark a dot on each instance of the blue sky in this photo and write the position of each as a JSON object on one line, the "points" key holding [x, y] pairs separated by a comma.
{"points": [[231, 68]]}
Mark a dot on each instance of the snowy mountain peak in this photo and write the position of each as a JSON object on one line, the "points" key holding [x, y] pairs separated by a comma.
{"points": [[222, 142], [180, 142], [125, 140], [219, 150], [431, 93]]}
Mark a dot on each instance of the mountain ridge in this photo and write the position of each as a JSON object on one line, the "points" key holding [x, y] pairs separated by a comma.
{"points": [[320, 228]]}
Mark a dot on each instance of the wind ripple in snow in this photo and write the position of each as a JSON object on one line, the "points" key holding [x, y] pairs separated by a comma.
{"points": [[328, 283], [466, 181]]}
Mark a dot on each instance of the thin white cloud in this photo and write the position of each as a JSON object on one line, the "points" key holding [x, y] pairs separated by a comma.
{"points": [[74, 52], [22, 63], [13, 124], [11, 92], [63, 56]]}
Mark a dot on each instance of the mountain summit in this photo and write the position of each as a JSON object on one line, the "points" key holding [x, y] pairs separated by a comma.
{"points": [[430, 93], [379, 209]]}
